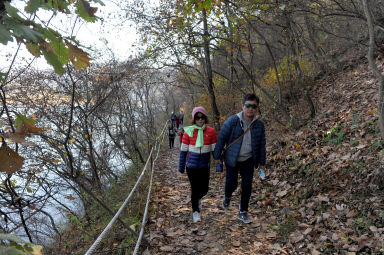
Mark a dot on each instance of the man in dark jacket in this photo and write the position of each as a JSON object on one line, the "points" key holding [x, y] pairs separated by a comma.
{"points": [[244, 155], [173, 119], [181, 118]]}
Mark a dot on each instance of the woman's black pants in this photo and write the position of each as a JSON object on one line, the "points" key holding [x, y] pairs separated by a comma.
{"points": [[171, 142], [199, 179]]}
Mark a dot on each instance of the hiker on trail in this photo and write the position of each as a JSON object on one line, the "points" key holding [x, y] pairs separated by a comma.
{"points": [[181, 133], [173, 119], [198, 142], [181, 118], [171, 135], [177, 122], [242, 155]]}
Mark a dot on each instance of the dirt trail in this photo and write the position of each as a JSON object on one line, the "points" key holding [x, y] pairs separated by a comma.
{"points": [[171, 230]]}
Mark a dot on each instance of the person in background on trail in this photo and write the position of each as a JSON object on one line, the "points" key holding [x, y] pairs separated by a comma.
{"points": [[181, 133], [177, 122], [173, 119], [243, 155], [195, 153], [171, 135], [181, 118]]}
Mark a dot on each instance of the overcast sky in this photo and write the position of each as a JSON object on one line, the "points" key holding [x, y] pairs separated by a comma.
{"points": [[112, 36]]}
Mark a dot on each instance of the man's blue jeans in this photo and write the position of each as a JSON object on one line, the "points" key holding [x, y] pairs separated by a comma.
{"points": [[246, 172]]}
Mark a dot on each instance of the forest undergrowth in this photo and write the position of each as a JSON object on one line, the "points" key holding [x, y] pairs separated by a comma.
{"points": [[81, 232]]}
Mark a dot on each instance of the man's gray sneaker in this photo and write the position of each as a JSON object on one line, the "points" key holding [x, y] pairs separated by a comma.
{"points": [[243, 216], [225, 203]]}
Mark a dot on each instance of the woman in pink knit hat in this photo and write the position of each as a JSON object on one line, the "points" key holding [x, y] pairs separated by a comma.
{"points": [[198, 142]]}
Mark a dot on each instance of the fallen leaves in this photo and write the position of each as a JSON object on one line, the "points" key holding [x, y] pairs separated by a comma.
{"points": [[174, 233], [322, 198], [296, 237], [166, 248], [372, 111], [268, 235], [307, 231], [352, 213], [267, 201], [236, 243], [281, 193]]}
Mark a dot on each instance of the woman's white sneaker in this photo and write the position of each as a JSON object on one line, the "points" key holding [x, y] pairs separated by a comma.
{"points": [[196, 217]]}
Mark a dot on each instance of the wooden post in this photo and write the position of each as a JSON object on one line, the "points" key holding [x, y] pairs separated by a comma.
{"points": [[150, 148]]}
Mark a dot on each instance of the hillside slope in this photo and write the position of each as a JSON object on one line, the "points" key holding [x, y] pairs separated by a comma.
{"points": [[320, 196], [323, 185]]}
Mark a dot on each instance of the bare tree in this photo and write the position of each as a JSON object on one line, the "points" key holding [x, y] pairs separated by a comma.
{"points": [[372, 64]]}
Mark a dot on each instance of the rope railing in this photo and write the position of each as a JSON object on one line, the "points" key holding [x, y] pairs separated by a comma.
{"points": [[147, 203], [109, 226]]}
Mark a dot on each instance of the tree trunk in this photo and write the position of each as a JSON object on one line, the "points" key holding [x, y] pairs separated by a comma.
{"points": [[315, 50], [299, 73], [278, 83], [373, 66], [208, 69], [280, 107], [228, 15]]}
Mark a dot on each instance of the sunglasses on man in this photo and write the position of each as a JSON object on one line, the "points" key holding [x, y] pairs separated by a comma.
{"points": [[254, 106]]}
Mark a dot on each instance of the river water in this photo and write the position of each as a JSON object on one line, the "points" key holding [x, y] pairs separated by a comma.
{"points": [[37, 167]]}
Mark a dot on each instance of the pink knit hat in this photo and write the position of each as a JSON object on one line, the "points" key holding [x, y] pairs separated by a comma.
{"points": [[198, 109]]}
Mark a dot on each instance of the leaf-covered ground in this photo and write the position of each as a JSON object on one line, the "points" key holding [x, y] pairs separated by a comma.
{"points": [[172, 231], [322, 195]]}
